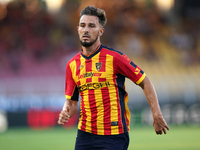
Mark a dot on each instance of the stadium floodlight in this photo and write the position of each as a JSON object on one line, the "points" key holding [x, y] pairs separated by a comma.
{"points": [[165, 4], [53, 5], [5, 1]]}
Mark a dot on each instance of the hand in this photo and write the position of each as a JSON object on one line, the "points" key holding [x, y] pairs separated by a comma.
{"points": [[64, 116], [160, 125]]}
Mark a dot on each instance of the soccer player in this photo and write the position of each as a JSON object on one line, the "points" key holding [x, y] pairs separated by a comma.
{"points": [[98, 74]]}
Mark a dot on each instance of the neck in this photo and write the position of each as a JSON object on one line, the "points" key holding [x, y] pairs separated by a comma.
{"points": [[91, 49]]}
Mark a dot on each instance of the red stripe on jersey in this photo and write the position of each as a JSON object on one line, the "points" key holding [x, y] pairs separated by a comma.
{"points": [[106, 104], [102, 79], [88, 69], [102, 60], [93, 110], [120, 125], [83, 126], [88, 80], [78, 65], [88, 65]]}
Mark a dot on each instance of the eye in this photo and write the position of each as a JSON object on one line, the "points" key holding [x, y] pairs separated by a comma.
{"points": [[82, 25], [92, 25]]}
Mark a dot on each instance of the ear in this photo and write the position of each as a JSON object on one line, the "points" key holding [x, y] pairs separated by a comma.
{"points": [[77, 28], [101, 31]]}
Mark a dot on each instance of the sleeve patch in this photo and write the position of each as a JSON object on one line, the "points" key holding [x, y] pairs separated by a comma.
{"points": [[137, 71]]}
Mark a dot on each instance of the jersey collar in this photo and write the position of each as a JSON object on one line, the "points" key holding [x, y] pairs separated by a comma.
{"points": [[93, 54]]}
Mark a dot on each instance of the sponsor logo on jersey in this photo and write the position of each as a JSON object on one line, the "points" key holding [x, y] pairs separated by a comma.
{"points": [[95, 85], [88, 75]]}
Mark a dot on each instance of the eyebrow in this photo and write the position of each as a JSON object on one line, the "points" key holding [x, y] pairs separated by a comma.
{"points": [[85, 23], [81, 23]]}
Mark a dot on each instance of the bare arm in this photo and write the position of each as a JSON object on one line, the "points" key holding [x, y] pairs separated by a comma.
{"points": [[159, 123], [69, 109]]}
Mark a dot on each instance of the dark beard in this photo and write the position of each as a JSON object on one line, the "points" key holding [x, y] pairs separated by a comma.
{"points": [[88, 44]]}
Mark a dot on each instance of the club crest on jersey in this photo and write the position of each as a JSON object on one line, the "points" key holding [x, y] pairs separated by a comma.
{"points": [[98, 66]]}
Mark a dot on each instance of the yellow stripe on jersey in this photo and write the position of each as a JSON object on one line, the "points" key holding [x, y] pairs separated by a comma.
{"points": [[82, 71], [128, 114], [100, 111], [88, 111], [73, 68], [85, 98], [112, 94], [98, 98]]}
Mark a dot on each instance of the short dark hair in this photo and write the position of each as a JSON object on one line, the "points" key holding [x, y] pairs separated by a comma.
{"points": [[93, 11]]}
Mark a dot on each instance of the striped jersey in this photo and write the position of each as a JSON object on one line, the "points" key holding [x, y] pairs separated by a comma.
{"points": [[100, 80]]}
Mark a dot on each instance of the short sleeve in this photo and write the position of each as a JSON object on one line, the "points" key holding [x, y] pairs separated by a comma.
{"points": [[128, 68], [71, 89]]}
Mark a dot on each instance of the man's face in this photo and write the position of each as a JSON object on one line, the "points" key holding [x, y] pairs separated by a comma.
{"points": [[89, 30]]}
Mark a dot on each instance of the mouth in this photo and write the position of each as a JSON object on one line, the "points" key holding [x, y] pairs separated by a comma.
{"points": [[85, 37]]}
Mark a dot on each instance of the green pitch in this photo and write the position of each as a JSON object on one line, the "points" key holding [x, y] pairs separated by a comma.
{"points": [[141, 138]]}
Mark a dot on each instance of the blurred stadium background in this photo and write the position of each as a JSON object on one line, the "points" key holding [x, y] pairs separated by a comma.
{"points": [[38, 37]]}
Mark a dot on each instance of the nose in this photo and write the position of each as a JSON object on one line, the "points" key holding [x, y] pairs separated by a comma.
{"points": [[86, 29]]}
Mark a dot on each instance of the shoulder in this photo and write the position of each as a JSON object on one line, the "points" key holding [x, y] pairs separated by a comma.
{"points": [[118, 55], [111, 51]]}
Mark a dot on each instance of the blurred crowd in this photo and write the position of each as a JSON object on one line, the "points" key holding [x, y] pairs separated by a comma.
{"points": [[33, 38]]}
